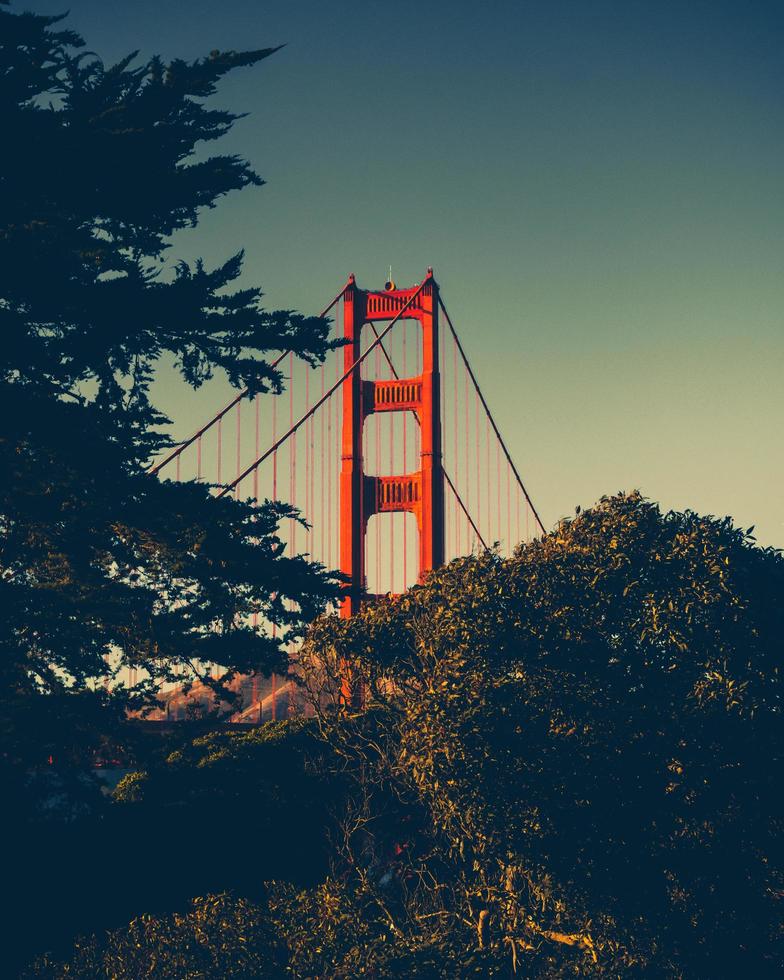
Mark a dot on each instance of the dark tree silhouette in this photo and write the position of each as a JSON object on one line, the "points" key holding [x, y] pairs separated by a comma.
{"points": [[103, 566]]}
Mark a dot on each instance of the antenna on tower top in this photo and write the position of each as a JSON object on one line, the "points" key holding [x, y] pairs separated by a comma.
{"points": [[389, 284]]}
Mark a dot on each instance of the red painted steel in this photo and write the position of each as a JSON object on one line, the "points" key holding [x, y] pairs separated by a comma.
{"points": [[421, 492]]}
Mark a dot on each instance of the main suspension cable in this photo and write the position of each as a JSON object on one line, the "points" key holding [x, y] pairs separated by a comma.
{"points": [[490, 416]]}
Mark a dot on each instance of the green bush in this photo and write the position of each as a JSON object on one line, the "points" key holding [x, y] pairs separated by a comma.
{"points": [[568, 765]]}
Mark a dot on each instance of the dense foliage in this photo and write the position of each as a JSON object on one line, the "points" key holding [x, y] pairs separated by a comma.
{"points": [[594, 729], [103, 567], [569, 764]]}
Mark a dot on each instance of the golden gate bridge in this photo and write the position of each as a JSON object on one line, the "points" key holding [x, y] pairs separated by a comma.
{"points": [[388, 448]]}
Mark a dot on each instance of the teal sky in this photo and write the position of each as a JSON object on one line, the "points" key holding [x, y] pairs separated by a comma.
{"points": [[598, 186]]}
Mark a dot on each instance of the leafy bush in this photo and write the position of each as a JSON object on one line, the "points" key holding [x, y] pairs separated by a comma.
{"points": [[594, 730], [569, 764]]}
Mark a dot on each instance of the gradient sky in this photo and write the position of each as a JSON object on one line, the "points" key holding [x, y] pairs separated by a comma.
{"points": [[598, 186]]}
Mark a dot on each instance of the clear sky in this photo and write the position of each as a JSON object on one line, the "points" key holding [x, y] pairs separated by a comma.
{"points": [[598, 186]]}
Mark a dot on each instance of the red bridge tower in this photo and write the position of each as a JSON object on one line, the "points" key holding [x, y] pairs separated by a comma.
{"points": [[420, 492]]}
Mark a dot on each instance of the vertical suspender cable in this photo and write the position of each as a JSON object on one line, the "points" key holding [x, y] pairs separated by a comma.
{"points": [[498, 483], [467, 461], [255, 504], [338, 448], [405, 462], [338, 456], [255, 699], [489, 481], [392, 513], [508, 510], [312, 510], [478, 466], [293, 493], [219, 450], [292, 459], [308, 424], [274, 497], [256, 448], [330, 470], [377, 522], [322, 555], [275, 454], [238, 453], [456, 464]]}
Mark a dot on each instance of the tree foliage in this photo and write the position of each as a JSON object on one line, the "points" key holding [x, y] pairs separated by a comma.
{"points": [[568, 764], [593, 728], [103, 566], [272, 790]]}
